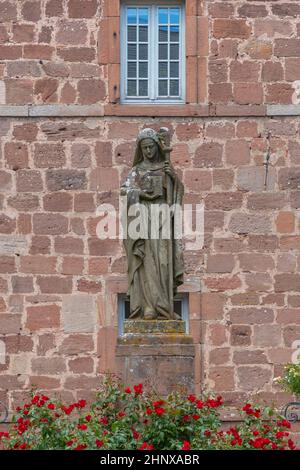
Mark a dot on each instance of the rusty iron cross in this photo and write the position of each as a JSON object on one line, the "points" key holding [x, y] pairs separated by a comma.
{"points": [[266, 163]]}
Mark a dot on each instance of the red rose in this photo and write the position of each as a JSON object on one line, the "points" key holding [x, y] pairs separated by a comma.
{"points": [[82, 403], [149, 411], [291, 444], [80, 447], [68, 410], [51, 406], [82, 427], [128, 390], [138, 389], [186, 445], [88, 418], [284, 423], [191, 398], [158, 403], [35, 399], [99, 443], [199, 404], [160, 411]]}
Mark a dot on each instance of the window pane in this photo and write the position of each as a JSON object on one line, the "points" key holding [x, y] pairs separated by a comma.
{"points": [[163, 69], [143, 33], [143, 51], [131, 52], [143, 87], [163, 51], [131, 33], [174, 15], [163, 34], [131, 87], [174, 51], [163, 87], [143, 69], [131, 69], [174, 33], [131, 15], [174, 87], [143, 15], [174, 69], [163, 16]]}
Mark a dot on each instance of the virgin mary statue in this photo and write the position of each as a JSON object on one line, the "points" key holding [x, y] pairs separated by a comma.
{"points": [[155, 263]]}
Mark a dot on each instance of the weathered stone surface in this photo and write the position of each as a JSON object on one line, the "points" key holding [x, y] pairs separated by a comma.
{"points": [[253, 179], [79, 314], [163, 367], [10, 245], [71, 180], [249, 223], [154, 327]]}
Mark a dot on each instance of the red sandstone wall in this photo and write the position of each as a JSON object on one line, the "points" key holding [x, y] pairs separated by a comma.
{"points": [[49, 50], [54, 172]]}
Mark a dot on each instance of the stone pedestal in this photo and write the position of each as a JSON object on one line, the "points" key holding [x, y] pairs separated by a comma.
{"points": [[158, 354]]}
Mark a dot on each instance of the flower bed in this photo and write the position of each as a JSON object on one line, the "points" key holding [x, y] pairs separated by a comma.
{"points": [[130, 419]]}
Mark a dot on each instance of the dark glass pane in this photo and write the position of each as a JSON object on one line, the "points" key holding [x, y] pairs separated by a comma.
{"points": [[143, 87], [143, 69], [174, 69], [131, 69], [177, 307], [163, 16], [131, 51], [174, 33], [174, 51], [143, 15], [131, 87], [163, 69], [143, 33], [163, 87], [127, 308], [174, 15], [174, 87], [131, 15], [163, 52], [143, 51], [163, 34], [131, 33]]}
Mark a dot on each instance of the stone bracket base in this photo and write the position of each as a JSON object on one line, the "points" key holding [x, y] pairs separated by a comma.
{"points": [[162, 361]]}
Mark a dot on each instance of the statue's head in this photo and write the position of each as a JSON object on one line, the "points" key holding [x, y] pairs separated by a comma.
{"points": [[148, 147]]}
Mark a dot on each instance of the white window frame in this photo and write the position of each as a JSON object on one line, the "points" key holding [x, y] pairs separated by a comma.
{"points": [[153, 52]]}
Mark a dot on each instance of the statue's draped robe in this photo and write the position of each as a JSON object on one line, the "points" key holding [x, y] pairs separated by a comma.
{"points": [[155, 266]]}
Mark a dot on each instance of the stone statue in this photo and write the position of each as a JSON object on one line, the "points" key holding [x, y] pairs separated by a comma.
{"points": [[155, 264]]}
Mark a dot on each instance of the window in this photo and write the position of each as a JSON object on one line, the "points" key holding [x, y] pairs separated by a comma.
{"points": [[181, 307], [152, 53]]}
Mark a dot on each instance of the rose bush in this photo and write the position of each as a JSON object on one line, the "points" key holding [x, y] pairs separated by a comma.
{"points": [[290, 381], [130, 419]]}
